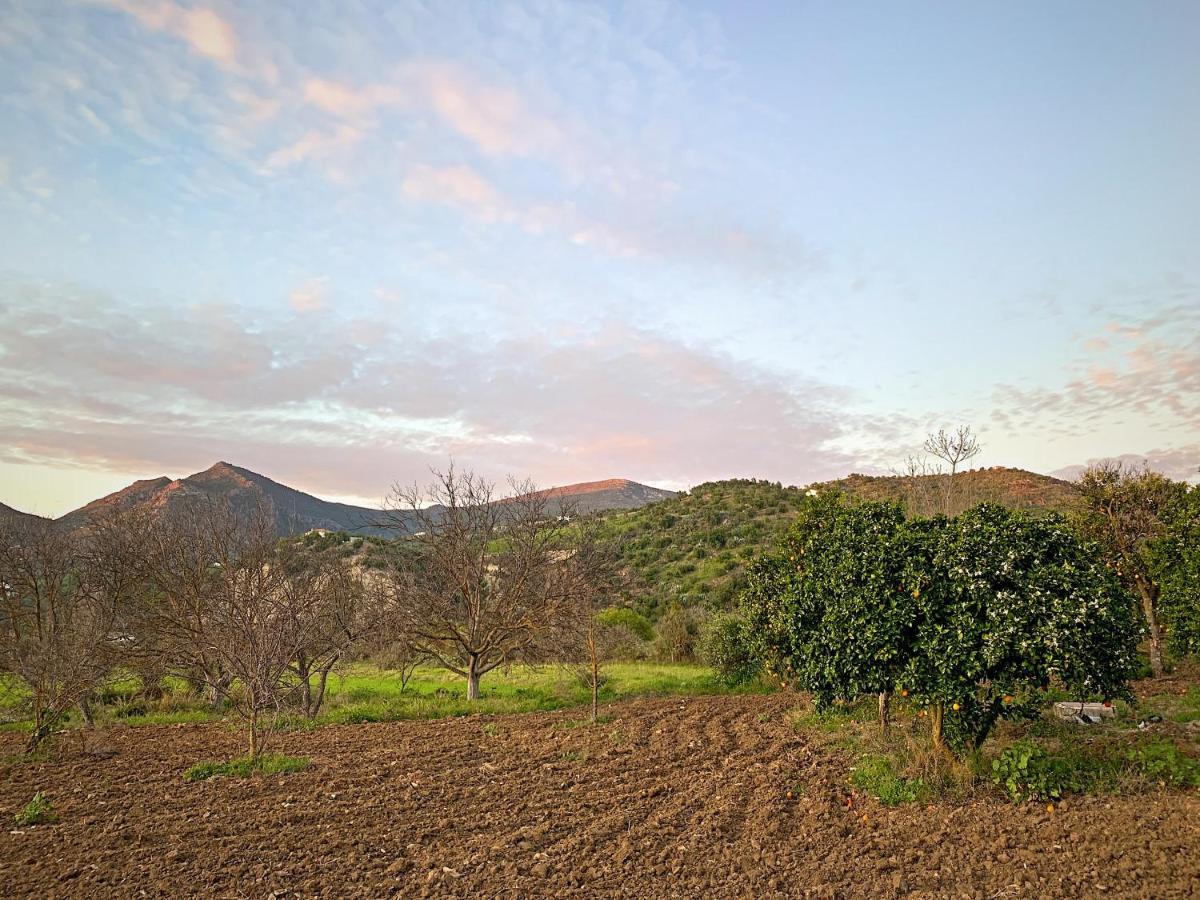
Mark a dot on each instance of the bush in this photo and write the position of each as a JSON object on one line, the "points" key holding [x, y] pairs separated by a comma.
{"points": [[678, 634], [1027, 772], [627, 618], [38, 811], [724, 647], [244, 767]]}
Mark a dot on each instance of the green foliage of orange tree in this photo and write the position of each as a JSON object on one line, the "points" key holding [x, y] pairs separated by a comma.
{"points": [[829, 612], [970, 616], [1006, 604]]}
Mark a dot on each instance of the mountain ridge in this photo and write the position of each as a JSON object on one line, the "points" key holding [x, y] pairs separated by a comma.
{"points": [[296, 511]]}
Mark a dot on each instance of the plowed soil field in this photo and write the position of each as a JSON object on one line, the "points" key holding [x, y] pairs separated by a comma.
{"points": [[671, 798]]}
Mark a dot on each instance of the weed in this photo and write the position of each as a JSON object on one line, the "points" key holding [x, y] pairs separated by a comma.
{"points": [[244, 767], [574, 755], [1162, 761], [38, 811], [877, 775], [488, 728]]}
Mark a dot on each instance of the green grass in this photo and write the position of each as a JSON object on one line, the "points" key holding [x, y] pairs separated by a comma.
{"points": [[878, 774], [365, 693], [244, 767]]}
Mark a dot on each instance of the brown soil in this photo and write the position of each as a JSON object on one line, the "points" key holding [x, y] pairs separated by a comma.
{"points": [[673, 797]]}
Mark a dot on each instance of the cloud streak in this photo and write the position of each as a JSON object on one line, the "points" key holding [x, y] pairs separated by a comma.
{"points": [[160, 390]]}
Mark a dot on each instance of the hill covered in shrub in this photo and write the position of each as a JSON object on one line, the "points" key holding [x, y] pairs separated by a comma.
{"points": [[693, 549]]}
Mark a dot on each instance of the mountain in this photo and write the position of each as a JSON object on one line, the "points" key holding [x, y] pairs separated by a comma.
{"points": [[296, 512], [613, 493]]}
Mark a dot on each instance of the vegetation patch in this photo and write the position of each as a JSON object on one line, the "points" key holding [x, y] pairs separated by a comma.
{"points": [[38, 811], [245, 767]]}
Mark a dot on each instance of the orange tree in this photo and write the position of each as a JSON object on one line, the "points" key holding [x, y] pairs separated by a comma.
{"points": [[827, 611], [1006, 604]]}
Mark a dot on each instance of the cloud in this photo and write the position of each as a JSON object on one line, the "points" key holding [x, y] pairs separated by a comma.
{"points": [[1148, 367], [163, 388], [205, 32], [312, 296], [1180, 463], [458, 186]]}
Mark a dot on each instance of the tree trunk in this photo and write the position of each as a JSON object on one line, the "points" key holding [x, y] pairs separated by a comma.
{"points": [[41, 729], [255, 742], [595, 690], [306, 695], [473, 679], [1149, 609], [217, 691], [935, 725], [885, 713], [319, 698], [85, 710]]}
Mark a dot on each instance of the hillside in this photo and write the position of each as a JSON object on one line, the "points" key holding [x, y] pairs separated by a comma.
{"points": [[10, 515], [693, 548], [613, 493], [1015, 488]]}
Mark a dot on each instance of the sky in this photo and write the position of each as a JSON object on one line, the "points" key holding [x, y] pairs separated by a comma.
{"points": [[340, 243]]}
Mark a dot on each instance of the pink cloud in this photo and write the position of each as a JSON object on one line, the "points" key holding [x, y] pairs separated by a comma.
{"points": [[203, 30]]}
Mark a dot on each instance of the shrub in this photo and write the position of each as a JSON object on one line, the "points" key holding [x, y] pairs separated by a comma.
{"points": [[627, 618], [678, 633], [724, 646]]}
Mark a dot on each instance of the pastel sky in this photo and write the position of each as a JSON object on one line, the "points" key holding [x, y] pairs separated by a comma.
{"points": [[339, 242]]}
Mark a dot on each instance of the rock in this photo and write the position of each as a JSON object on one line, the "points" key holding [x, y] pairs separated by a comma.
{"points": [[1083, 713]]}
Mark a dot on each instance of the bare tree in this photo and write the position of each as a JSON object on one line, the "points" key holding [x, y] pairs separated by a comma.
{"points": [[333, 606], [954, 450], [921, 482], [483, 577], [227, 609], [56, 622], [578, 638], [1123, 511]]}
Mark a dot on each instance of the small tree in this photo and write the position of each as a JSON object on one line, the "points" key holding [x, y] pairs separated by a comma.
{"points": [[828, 609], [725, 646], [227, 608], [1123, 511], [482, 577], [334, 606]]}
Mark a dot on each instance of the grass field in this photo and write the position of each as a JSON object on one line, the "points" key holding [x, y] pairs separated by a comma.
{"points": [[365, 693]]}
